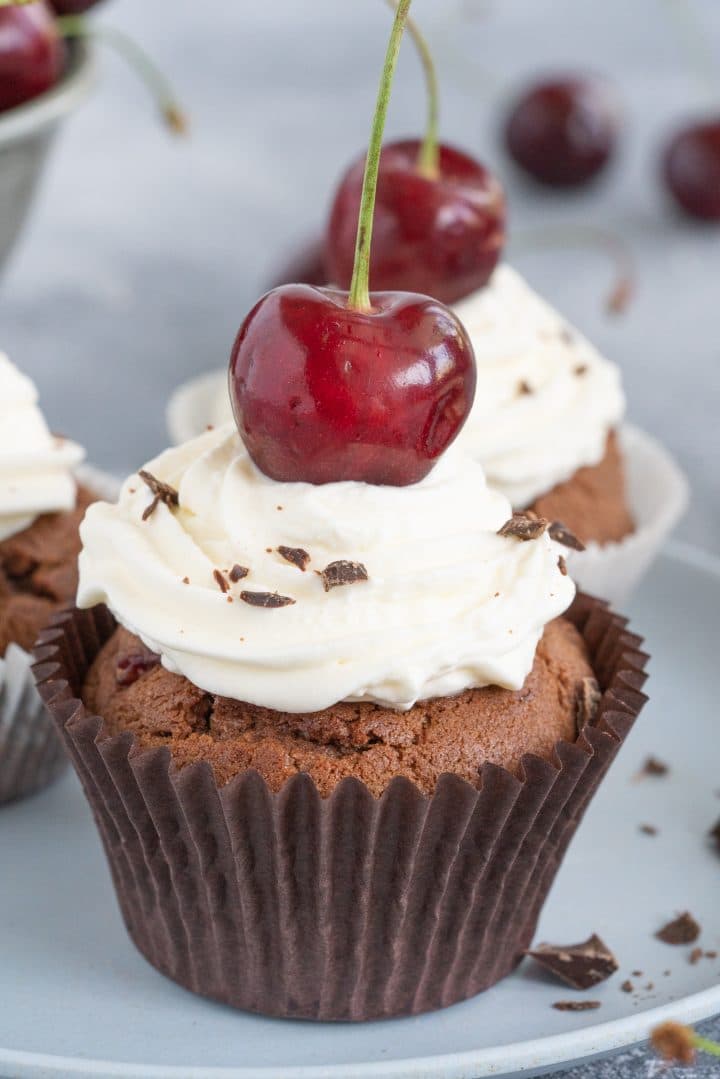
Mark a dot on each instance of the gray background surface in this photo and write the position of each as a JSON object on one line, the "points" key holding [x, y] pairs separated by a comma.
{"points": [[144, 253]]}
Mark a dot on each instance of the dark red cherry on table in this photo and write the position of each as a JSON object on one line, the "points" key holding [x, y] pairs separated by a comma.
{"points": [[441, 236], [563, 131], [691, 169], [323, 392], [31, 53]]}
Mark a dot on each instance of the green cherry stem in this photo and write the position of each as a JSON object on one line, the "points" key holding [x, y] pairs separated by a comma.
{"points": [[77, 26], [429, 156], [359, 297], [706, 1046]]}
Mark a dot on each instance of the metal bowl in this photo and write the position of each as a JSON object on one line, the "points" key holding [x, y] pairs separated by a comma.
{"points": [[26, 134]]}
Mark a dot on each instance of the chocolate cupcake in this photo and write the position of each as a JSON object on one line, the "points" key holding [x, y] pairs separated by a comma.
{"points": [[41, 507], [337, 738]]}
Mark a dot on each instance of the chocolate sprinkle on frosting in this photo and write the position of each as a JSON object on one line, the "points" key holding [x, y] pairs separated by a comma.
{"points": [[588, 700], [581, 369], [266, 599], [296, 556], [238, 572], [682, 930], [580, 966], [524, 526], [648, 829], [163, 493], [524, 388], [655, 767], [339, 573], [564, 536], [562, 565], [576, 1005], [221, 582]]}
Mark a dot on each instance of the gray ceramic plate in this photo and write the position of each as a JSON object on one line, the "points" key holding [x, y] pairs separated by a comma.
{"points": [[77, 1000]]}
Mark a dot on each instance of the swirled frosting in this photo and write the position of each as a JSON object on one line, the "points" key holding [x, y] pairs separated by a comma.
{"points": [[447, 603], [546, 400], [35, 467]]}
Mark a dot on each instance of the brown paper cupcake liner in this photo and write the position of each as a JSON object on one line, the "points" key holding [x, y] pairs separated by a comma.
{"points": [[31, 753], [344, 908]]}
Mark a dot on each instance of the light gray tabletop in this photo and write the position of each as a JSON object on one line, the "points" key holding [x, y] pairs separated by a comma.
{"points": [[144, 253]]}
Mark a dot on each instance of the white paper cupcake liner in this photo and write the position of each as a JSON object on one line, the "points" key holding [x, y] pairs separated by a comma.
{"points": [[31, 753], [658, 494]]}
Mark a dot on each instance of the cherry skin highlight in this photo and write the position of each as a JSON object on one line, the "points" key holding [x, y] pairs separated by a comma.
{"points": [[440, 236], [324, 393], [31, 53], [691, 169], [563, 131]]}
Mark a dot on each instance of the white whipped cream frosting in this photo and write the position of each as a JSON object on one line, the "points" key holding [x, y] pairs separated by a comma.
{"points": [[35, 466], [546, 400], [526, 442], [449, 604]]}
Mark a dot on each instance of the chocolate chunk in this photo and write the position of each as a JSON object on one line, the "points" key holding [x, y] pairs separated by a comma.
{"points": [[581, 369], [588, 701], [627, 986], [715, 835], [221, 582], [186, 580], [564, 536], [578, 965], [339, 573], [524, 526], [711, 955], [576, 1005], [695, 956], [637, 974], [238, 572], [654, 767], [648, 829], [562, 565], [682, 930], [524, 388], [266, 599], [295, 555], [131, 667], [163, 493]]}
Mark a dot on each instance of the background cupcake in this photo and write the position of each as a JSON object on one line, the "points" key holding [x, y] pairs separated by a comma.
{"points": [[41, 508]]}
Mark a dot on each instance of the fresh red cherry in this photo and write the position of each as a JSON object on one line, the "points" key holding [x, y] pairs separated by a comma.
{"points": [[322, 392], [73, 7], [307, 266], [31, 53], [691, 169], [563, 131], [441, 235]]}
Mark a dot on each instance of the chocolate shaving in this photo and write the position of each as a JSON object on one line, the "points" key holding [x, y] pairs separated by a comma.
{"points": [[637, 974], [695, 956], [266, 599], [711, 955], [581, 369], [340, 573], [564, 536], [589, 698], [576, 1005], [648, 829], [163, 493], [524, 388], [715, 835], [524, 526], [682, 930], [580, 966], [296, 556], [562, 565], [654, 767], [237, 573], [221, 582], [627, 986]]}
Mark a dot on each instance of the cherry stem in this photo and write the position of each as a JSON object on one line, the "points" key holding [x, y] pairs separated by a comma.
{"points": [[359, 297], [77, 26], [696, 43], [584, 236], [706, 1045], [429, 156]]}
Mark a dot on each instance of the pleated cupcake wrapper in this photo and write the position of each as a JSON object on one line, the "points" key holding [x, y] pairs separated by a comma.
{"points": [[343, 908], [31, 752], [658, 496]]}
